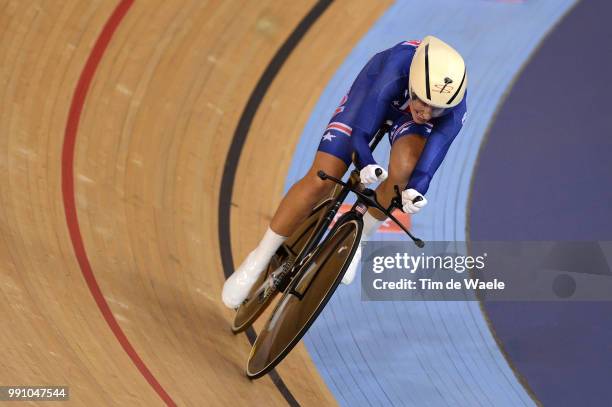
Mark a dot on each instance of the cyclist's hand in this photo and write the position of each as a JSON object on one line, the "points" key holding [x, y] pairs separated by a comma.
{"points": [[412, 201], [368, 174]]}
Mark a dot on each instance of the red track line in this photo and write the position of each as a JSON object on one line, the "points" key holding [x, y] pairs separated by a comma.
{"points": [[72, 125]]}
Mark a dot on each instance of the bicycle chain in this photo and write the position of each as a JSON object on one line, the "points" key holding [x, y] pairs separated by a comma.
{"points": [[277, 282]]}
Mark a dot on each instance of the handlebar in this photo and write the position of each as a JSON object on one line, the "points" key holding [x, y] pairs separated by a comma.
{"points": [[369, 197]]}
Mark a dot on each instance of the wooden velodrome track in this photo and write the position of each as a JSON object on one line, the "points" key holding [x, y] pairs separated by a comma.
{"points": [[116, 122]]}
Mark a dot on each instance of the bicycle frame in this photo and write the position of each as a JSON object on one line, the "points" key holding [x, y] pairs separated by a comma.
{"points": [[324, 223]]}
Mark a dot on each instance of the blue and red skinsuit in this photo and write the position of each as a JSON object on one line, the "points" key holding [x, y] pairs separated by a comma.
{"points": [[380, 93]]}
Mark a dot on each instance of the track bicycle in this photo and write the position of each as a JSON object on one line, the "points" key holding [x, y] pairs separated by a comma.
{"points": [[307, 269], [292, 254]]}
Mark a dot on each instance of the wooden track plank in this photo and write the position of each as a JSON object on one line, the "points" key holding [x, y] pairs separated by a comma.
{"points": [[55, 332]]}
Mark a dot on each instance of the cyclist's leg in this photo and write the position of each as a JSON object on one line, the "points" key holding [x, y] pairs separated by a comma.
{"points": [[333, 157], [306, 193]]}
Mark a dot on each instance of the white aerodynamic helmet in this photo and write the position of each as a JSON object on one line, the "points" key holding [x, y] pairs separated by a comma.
{"points": [[437, 74]]}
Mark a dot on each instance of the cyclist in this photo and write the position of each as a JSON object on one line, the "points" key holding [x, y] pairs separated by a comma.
{"points": [[421, 87]]}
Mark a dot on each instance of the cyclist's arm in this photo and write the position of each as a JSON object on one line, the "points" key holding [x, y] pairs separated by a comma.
{"points": [[438, 143], [359, 141], [371, 115]]}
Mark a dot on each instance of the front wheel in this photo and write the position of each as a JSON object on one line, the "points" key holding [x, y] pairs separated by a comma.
{"points": [[305, 298]]}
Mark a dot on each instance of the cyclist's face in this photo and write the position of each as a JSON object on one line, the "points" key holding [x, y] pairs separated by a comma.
{"points": [[421, 112]]}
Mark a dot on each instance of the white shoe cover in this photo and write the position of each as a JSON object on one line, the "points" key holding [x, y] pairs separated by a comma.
{"points": [[238, 285], [351, 271]]}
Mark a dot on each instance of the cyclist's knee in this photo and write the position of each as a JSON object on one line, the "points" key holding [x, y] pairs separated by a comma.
{"points": [[404, 155], [400, 171], [315, 186]]}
